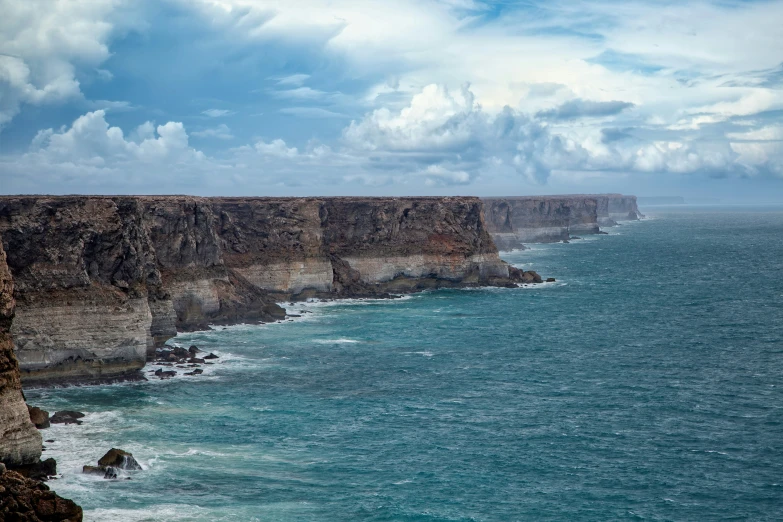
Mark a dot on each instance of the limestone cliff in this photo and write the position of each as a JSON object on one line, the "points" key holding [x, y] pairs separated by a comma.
{"points": [[623, 208], [513, 221], [20, 442], [84, 272], [539, 219], [100, 281]]}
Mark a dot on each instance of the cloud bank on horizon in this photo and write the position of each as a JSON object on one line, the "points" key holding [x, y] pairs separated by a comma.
{"points": [[252, 97]]}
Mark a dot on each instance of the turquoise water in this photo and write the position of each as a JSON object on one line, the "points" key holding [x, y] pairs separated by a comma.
{"points": [[645, 384]]}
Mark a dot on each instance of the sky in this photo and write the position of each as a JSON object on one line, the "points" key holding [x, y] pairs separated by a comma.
{"points": [[403, 97]]}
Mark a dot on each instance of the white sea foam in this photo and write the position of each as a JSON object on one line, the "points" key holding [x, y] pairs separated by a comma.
{"points": [[159, 512], [336, 341]]}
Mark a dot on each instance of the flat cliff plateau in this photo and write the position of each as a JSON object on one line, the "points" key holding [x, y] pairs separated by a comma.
{"points": [[513, 221], [100, 281]]}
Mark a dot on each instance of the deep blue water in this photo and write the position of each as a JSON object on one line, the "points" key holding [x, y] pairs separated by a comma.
{"points": [[646, 384]]}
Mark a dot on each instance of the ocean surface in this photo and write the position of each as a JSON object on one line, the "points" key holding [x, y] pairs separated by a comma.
{"points": [[645, 384]]}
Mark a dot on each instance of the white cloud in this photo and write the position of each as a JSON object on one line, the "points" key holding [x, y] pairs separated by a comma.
{"points": [[440, 126], [667, 80], [311, 112], [221, 132], [41, 43], [217, 113], [440, 175], [92, 142], [294, 79], [276, 148]]}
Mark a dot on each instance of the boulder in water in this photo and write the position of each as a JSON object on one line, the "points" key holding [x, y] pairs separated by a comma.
{"points": [[39, 417], [531, 277], [165, 374], [119, 459], [211, 356], [66, 417], [180, 352]]}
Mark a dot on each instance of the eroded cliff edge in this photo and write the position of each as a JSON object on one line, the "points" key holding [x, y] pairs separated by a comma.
{"points": [[513, 221], [101, 281], [20, 442], [21, 497]]}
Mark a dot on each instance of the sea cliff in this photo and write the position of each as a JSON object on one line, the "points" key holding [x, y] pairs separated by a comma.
{"points": [[20, 442], [101, 281], [513, 221]]}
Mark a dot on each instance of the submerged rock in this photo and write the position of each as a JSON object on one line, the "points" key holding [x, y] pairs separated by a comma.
{"points": [[66, 417], [180, 352], [119, 459], [550, 279], [39, 417], [195, 372], [165, 374], [193, 350], [211, 356]]}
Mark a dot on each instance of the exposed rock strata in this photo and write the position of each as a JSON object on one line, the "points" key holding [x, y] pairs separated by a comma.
{"points": [[22, 498], [513, 221], [102, 281], [623, 208], [20, 442], [84, 273]]}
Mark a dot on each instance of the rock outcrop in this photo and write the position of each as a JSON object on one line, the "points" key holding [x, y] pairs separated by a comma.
{"points": [[29, 500], [102, 281], [84, 273], [20, 442], [22, 495], [513, 221]]}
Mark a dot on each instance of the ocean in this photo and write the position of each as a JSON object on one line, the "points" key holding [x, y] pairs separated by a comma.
{"points": [[646, 383]]}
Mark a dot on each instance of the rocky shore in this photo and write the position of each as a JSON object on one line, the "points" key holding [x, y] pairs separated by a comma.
{"points": [[91, 288], [101, 282]]}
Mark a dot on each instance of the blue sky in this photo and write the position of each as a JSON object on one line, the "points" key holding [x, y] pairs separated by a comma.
{"points": [[249, 97]]}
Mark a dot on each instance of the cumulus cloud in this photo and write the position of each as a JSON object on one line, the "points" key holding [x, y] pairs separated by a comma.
{"points": [[276, 148], [684, 88], [440, 126], [90, 141], [41, 44]]}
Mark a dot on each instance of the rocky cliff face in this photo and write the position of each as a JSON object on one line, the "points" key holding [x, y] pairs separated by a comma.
{"points": [[84, 272], [20, 442], [623, 208], [101, 281], [539, 219], [513, 221]]}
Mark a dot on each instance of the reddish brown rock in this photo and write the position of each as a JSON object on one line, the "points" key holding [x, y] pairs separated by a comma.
{"points": [[39, 417], [27, 500], [118, 458]]}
